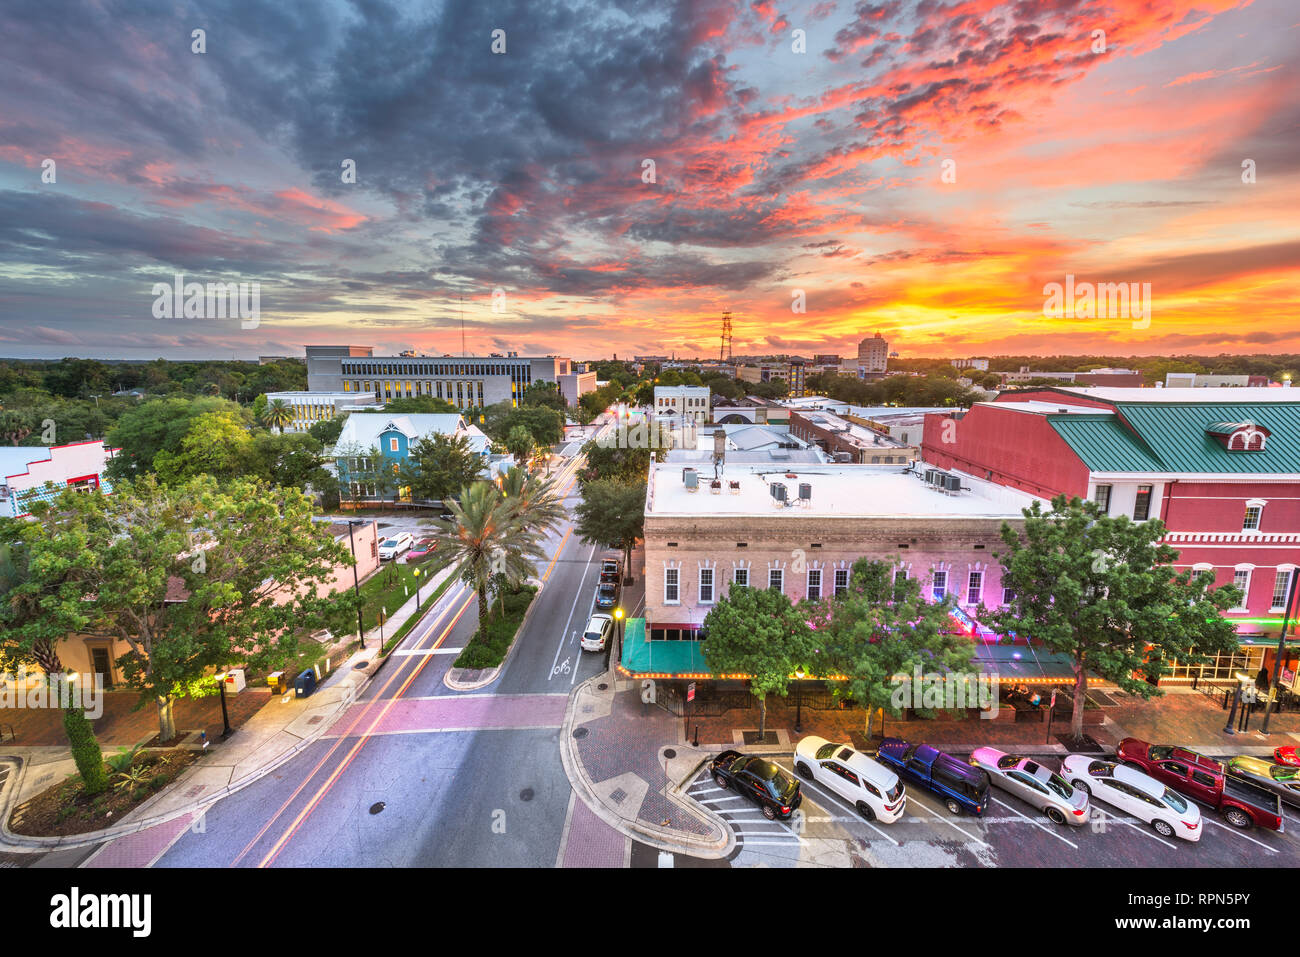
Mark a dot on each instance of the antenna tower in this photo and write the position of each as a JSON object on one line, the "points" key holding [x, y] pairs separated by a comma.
{"points": [[724, 353]]}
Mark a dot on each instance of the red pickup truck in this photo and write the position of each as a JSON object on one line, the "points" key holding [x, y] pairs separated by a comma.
{"points": [[1206, 780]]}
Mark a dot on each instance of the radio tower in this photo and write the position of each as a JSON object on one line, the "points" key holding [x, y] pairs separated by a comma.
{"points": [[724, 353]]}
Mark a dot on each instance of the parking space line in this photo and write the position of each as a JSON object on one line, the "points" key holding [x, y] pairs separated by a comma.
{"points": [[1142, 830], [1237, 831], [1036, 824], [837, 799], [910, 799]]}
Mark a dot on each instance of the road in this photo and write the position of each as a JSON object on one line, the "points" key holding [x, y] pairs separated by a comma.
{"points": [[417, 775]]}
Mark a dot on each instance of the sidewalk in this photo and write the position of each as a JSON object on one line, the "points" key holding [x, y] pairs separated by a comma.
{"points": [[269, 730], [614, 746]]}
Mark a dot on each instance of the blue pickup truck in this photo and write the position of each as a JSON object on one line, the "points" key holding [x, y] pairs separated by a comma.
{"points": [[960, 786]]}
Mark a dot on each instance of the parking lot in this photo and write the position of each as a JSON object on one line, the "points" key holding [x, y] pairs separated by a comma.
{"points": [[831, 833]]}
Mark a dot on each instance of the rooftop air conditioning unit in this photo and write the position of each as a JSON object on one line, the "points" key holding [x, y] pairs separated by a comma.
{"points": [[952, 483], [780, 494], [805, 491]]}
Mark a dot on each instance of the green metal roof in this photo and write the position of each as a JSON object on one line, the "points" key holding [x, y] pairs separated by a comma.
{"points": [[1176, 437], [642, 657]]}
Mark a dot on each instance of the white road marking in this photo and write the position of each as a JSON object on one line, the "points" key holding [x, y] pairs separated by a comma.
{"points": [[1238, 832], [427, 651], [911, 799], [1142, 829], [1037, 824], [842, 803], [572, 609]]}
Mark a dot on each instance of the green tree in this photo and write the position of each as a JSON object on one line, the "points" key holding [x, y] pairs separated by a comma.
{"points": [[1101, 589], [438, 466], [327, 431], [420, 405], [759, 633], [519, 442], [534, 498], [612, 515], [881, 628], [487, 536], [193, 577], [216, 443], [158, 425], [278, 415], [542, 393]]}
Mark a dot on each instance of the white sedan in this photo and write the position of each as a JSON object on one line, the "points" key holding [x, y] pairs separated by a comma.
{"points": [[866, 784], [1133, 792]]}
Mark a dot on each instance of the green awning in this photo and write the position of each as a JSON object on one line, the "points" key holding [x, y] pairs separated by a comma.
{"points": [[1024, 663], [663, 659]]}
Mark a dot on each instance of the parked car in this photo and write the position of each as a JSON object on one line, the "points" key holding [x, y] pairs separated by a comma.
{"points": [[866, 784], [1239, 801], [610, 569], [1133, 792], [1034, 784], [762, 781], [1287, 755], [1282, 779], [394, 545], [606, 595], [422, 550], [960, 786], [597, 632]]}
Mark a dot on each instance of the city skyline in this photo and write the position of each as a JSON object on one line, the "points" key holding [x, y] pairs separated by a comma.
{"points": [[1114, 159]]}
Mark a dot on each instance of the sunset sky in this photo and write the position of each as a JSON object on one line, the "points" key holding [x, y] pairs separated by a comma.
{"points": [[775, 171]]}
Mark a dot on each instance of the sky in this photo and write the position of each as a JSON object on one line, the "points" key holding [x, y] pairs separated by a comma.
{"points": [[612, 177]]}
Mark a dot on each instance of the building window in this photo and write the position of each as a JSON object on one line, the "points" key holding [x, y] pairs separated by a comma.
{"points": [[1142, 505], [841, 580], [392, 445], [670, 586], [1251, 522], [1008, 595], [940, 586], [1281, 588], [974, 586], [1241, 578], [776, 579], [814, 583], [706, 586], [900, 575], [740, 577], [1102, 497]]}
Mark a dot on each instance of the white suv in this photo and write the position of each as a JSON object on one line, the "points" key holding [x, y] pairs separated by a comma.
{"points": [[393, 546], [1139, 794], [866, 784], [599, 628]]}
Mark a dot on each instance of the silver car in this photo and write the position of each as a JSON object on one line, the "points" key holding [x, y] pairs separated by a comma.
{"points": [[1035, 785]]}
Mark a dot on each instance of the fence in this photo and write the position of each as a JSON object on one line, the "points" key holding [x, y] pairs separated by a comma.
{"points": [[711, 702]]}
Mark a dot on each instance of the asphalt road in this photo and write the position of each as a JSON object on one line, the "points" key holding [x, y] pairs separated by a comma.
{"points": [[417, 774]]}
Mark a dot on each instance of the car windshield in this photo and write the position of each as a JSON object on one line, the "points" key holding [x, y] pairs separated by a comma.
{"points": [[1282, 773], [1175, 800], [1056, 783], [895, 792], [388, 543], [1007, 761], [825, 751]]}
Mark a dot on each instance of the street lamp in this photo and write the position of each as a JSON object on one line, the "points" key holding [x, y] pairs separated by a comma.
{"points": [[416, 573], [618, 617], [356, 586], [798, 697]]}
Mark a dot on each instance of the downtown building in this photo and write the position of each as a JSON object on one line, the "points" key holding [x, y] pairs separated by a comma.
{"points": [[798, 527], [467, 382], [1219, 467]]}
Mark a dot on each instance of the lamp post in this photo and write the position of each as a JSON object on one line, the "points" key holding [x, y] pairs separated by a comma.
{"points": [[798, 697], [225, 715], [1232, 715], [618, 617], [1281, 650], [356, 586], [416, 573]]}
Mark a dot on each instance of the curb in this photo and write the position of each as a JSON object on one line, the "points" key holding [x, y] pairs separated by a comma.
{"points": [[455, 684], [24, 843], [662, 838]]}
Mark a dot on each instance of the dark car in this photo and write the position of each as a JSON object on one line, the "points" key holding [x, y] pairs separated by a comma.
{"points": [[960, 786], [606, 595], [1283, 780], [765, 783], [610, 569]]}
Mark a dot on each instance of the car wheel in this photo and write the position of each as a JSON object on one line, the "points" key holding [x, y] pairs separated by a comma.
{"points": [[1163, 828], [804, 771], [769, 812], [865, 810], [721, 781], [953, 806], [1237, 817], [1055, 816], [1079, 785]]}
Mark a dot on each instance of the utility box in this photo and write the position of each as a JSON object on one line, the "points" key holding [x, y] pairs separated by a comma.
{"points": [[305, 683], [279, 682], [235, 681]]}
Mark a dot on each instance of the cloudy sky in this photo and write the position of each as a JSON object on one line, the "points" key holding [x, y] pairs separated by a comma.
{"points": [[796, 147]]}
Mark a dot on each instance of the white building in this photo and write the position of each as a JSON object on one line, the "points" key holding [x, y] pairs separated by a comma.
{"points": [[312, 407], [24, 470], [873, 355], [687, 401], [980, 365], [574, 385]]}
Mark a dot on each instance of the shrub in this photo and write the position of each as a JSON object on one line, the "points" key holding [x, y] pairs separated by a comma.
{"points": [[489, 646], [85, 751]]}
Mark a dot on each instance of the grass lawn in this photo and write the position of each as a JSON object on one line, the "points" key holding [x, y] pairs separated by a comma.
{"points": [[390, 588]]}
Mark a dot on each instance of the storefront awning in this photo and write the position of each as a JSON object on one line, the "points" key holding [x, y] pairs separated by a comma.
{"points": [[1025, 663], [660, 659]]}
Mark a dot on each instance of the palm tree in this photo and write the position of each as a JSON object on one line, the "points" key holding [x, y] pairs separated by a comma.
{"points": [[278, 414], [536, 499], [488, 535]]}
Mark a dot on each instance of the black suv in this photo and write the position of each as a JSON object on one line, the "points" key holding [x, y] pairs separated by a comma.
{"points": [[610, 569], [762, 781], [606, 595]]}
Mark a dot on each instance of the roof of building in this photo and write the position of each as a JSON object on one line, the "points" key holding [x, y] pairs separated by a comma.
{"points": [[15, 459], [774, 457], [860, 491], [364, 428], [854, 434]]}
